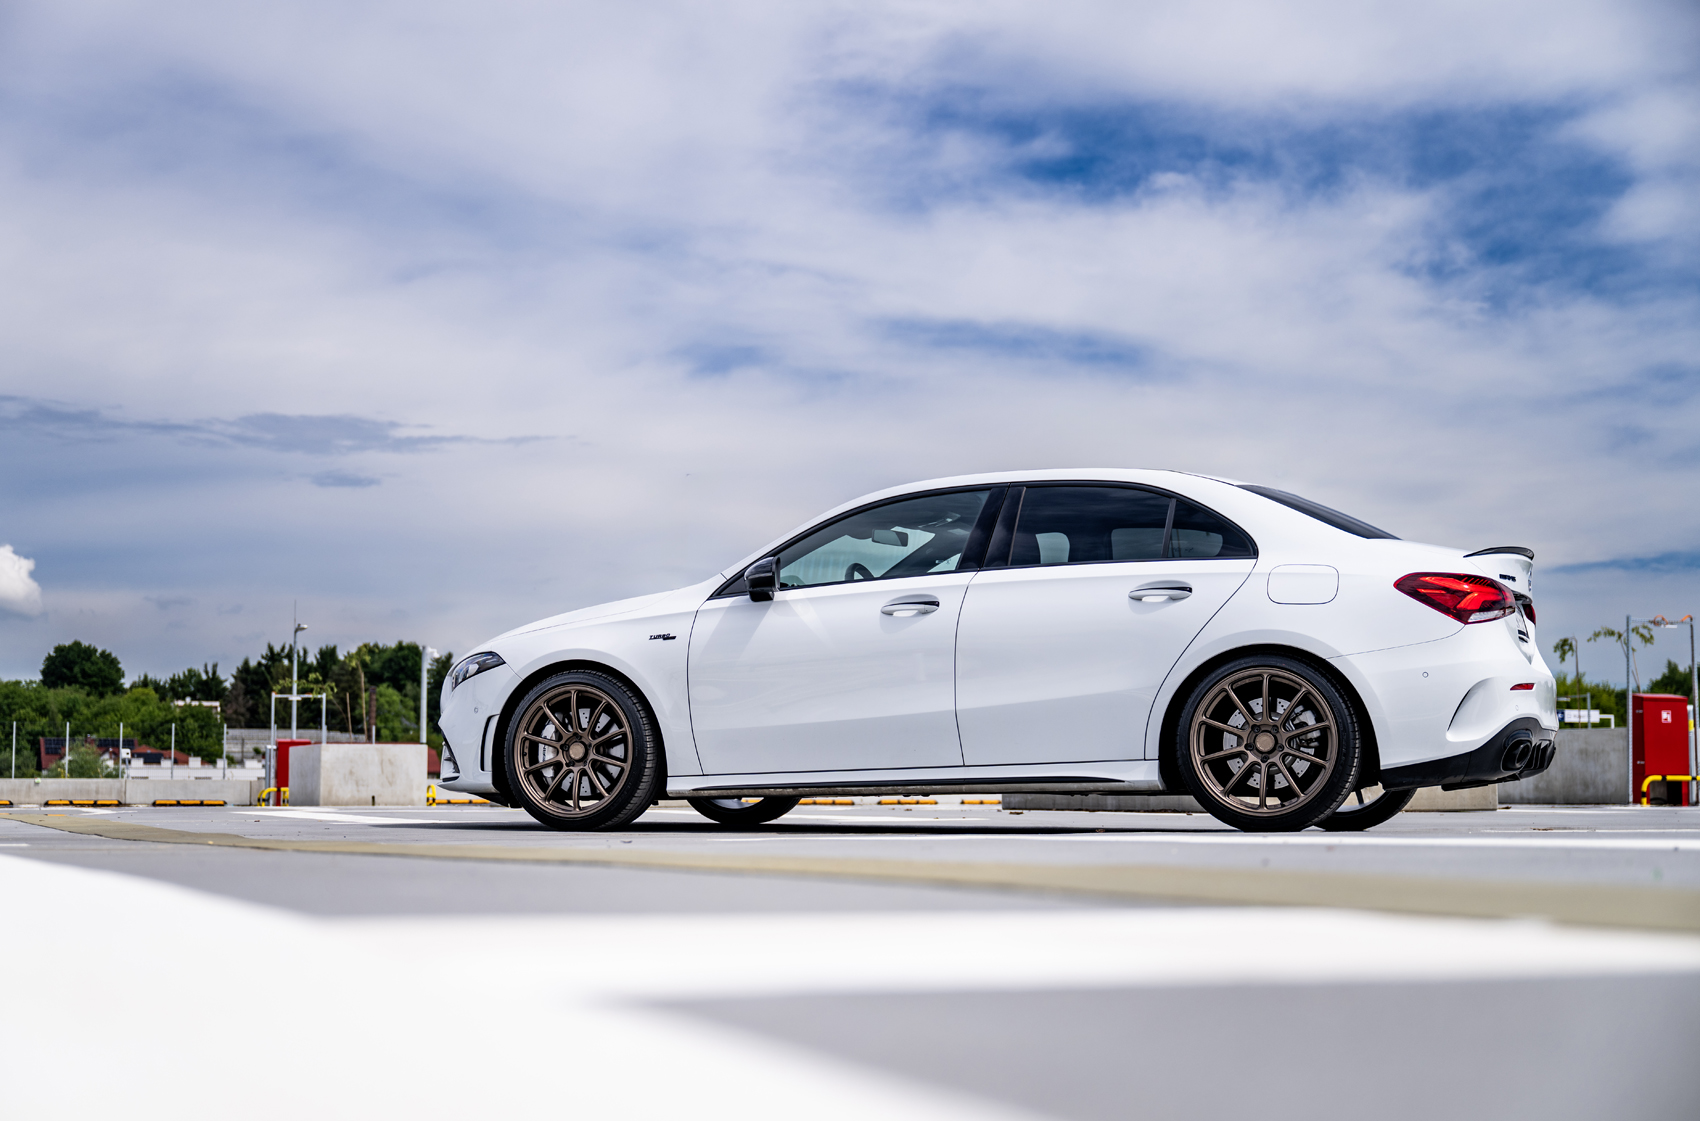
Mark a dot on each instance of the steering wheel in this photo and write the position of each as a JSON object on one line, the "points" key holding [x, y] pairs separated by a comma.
{"points": [[858, 571]]}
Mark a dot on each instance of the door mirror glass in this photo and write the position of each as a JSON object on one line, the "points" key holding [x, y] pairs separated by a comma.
{"points": [[762, 578]]}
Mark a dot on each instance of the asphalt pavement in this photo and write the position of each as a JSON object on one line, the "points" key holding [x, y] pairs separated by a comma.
{"points": [[873, 960]]}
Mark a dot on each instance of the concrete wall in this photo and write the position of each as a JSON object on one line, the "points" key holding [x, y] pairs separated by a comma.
{"points": [[357, 774], [131, 792], [1590, 769]]}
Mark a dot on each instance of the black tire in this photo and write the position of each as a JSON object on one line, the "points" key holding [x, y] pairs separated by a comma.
{"points": [[736, 811], [1304, 754], [607, 748], [1368, 813]]}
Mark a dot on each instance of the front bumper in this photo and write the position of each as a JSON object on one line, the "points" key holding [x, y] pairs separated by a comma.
{"points": [[1522, 748], [467, 721]]}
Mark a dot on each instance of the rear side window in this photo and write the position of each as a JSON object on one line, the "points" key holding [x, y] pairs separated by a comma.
{"points": [[1198, 532], [1086, 525], [1321, 513]]}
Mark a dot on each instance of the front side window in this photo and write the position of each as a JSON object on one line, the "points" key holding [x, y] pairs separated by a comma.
{"points": [[1083, 525], [908, 537]]}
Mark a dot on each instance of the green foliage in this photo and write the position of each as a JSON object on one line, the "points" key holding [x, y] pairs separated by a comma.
{"points": [[86, 762], [1608, 699], [77, 665], [43, 712], [398, 714], [372, 687], [1674, 680]]}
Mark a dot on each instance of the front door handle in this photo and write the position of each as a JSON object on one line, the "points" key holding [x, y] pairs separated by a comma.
{"points": [[1159, 590], [906, 606]]}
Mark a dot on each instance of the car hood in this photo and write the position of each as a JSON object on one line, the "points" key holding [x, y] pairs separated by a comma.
{"points": [[659, 602]]}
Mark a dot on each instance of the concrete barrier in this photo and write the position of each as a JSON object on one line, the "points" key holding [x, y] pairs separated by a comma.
{"points": [[130, 792], [1591, 768], [357, 774]]}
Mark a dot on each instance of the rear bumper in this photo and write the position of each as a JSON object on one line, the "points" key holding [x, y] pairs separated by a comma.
{"points": [[1522, 748]]}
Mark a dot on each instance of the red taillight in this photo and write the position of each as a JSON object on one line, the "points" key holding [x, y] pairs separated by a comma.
{"points": [[1524, 685], [1465, 597]]}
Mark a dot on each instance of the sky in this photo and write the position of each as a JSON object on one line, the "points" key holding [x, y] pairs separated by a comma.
{"points": [[429, 319]]}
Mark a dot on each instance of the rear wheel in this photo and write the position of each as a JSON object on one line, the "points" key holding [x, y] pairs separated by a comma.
{"points": [[582, 753], [1365, 809], [1268, 744], [739, 811]]}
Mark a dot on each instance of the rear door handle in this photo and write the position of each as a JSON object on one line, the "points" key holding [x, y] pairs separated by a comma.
{"points": [[1159, 590], [906, 606]]}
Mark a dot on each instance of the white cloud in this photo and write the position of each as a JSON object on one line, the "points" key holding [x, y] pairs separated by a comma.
{"points": [[521, 219], [19, 592]]}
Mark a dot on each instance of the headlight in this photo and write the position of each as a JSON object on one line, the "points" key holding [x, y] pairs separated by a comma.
{"points": [[471, 666]]}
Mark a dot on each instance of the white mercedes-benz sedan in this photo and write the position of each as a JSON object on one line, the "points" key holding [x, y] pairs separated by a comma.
{"points": [[1090, 631]]}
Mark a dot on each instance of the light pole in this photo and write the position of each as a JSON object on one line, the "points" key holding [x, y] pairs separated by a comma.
{"points": [[426, 654], [294, 684]]}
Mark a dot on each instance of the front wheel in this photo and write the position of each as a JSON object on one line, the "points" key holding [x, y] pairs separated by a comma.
{"points": [[1365, 812], [736, 811], [1268, 745], [582, 753]]}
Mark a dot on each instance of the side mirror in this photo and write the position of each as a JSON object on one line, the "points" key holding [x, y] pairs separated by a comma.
{"points": [[763, 579]]}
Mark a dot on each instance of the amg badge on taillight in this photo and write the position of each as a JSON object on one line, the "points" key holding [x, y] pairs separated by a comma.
{"points": [[1466, 597]]}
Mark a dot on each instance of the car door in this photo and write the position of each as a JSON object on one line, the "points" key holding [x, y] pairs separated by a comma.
{"points": [[1088, 596], [851, 665]]}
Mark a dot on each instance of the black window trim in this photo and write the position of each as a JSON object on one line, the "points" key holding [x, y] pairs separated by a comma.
{"points": [[996, 499], [1006, 541]]}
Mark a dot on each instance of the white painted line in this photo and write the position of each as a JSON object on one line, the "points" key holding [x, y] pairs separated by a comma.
{"points": [[1359, 840], [345, 818]]}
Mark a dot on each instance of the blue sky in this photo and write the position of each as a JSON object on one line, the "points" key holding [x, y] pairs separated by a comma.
{"points": [[440, 317]]}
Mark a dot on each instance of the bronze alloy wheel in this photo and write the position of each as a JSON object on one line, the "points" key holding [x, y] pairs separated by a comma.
{"points": [[1264, 743], [573, 750]]}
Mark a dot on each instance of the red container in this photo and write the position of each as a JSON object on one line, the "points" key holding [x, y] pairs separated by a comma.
{"points": [[280, 777], [1660, 745]]}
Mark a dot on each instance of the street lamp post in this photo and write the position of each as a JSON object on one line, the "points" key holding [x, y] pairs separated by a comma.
{"points": [[294, 684], [426, 654]]}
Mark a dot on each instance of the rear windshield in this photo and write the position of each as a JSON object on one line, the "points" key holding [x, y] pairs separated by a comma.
{"points": [[1320, 512]]}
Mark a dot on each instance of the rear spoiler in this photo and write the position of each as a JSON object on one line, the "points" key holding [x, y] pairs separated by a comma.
{"points": [[1514, 550]]}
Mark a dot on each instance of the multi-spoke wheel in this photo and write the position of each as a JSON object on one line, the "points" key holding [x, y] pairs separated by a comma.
{"points": [[743, 811], [581, 753], [1268, 744], [1365, 809]]}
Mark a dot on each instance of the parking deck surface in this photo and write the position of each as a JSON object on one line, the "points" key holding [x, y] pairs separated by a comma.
{"points": [[940, 960]]}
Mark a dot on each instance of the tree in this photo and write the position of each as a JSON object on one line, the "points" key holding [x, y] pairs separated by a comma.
{"points": [[1675, 680], [77, 665], [1638, 633], [85, 762]]}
